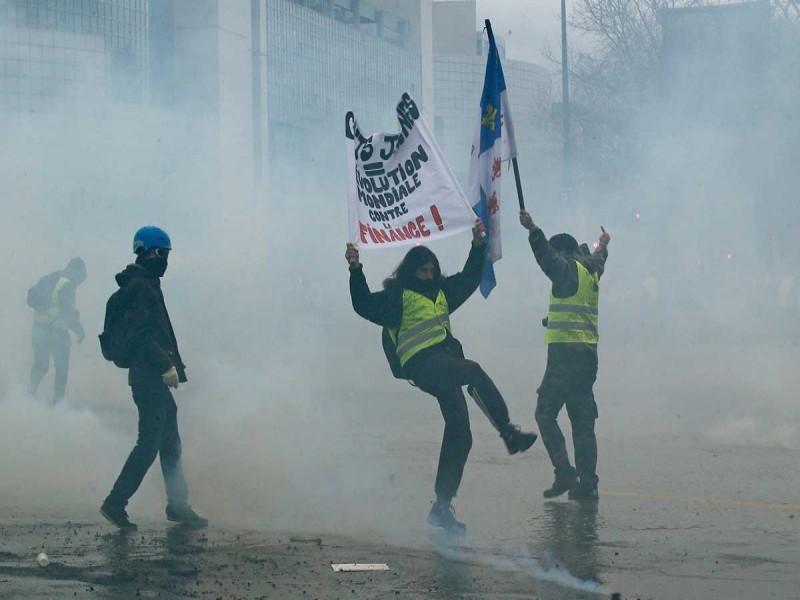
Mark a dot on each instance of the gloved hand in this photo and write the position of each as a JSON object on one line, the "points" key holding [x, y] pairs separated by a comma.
{"points": [[351, 256], [478, 232], [526, 220], [170, 378]]}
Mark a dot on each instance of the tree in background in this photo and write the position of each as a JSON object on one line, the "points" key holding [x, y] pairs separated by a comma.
{"points": [[613, 83], [622, 79], [686, 111]]}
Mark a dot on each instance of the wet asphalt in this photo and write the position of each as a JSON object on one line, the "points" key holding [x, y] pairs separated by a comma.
{"points": [[682, 514], [678, 525]]}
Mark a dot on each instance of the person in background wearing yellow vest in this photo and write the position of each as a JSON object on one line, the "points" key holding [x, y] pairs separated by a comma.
{"points": [[571, 371], [54, 317], [415, 305]]}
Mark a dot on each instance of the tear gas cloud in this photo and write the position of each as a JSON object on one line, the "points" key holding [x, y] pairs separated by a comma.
{"points": [[290, 417]]}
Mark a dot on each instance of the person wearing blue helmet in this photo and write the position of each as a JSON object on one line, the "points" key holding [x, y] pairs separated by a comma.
{"points": [[155, 367]]}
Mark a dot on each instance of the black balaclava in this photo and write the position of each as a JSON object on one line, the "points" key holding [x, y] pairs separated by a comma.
{"points": [[155, 265], [429, 287]]}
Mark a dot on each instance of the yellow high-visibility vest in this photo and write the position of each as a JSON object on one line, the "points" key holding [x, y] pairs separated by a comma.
{"points": [[52, 314], [573, 320], [425, 323]]}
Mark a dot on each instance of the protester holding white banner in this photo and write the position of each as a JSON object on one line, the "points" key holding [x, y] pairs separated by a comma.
{"points": [[401, 191], [414, 308]]}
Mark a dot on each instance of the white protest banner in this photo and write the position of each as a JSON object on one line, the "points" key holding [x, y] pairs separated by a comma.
{"points": [[400, 189]]}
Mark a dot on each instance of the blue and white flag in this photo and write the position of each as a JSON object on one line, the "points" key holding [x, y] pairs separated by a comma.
{"points": [[493, 144]]}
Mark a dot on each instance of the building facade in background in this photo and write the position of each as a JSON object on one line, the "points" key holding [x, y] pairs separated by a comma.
{"points": [[325, 58], [83, 50], [459, 69], [261, 84]]}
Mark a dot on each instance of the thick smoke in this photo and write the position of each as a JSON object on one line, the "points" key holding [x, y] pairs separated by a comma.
{"points": [[290, 417], [284, 417]]}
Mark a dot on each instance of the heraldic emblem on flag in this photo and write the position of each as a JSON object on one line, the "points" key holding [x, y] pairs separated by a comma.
{"points": [[493, 144]]}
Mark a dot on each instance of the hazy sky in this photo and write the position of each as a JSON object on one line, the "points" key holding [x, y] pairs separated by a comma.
{"points": [[532, 24]]}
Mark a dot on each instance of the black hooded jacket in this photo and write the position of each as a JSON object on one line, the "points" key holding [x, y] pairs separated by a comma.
{"points": [[385, 307], [147, 325], [563, 273]]}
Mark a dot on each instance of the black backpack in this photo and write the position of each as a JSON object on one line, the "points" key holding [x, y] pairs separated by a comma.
{"points": [[114, 339], [390, 350], [40, 295]]}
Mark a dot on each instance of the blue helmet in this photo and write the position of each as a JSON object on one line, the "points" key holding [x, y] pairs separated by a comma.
{"points": [[150, 237]]}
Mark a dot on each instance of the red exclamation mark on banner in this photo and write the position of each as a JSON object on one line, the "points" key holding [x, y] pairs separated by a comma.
{"points": [[437, 217]]}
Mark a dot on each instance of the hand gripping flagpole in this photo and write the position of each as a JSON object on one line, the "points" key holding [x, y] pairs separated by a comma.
{"points": [[488, 24]]}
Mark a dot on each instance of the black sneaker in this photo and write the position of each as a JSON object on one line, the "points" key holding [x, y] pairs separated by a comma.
{"points": [[118, 517], [584, 492], [562, 483], [185, 515], [517, 440], [444, 515]]}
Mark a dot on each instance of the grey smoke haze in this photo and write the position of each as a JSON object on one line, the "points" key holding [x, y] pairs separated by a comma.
{"points": [[290, 417], [527, 26]]}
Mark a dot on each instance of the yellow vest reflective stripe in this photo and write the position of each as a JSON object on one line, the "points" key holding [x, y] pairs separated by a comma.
{"points": [[573, 320], [425, 323], [54, 312]]}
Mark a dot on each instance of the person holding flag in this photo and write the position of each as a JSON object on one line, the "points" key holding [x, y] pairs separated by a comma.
{"points": [[571, 370], [493, 143], [415, 306]]}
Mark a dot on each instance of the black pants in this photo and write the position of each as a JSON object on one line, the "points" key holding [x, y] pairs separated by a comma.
{"points": [[569, 377], [49, 340], [442, 375], [158, 435]]}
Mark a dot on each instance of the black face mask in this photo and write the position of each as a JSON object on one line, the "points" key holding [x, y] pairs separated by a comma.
{"points": [[155, 265], [428, 286]]}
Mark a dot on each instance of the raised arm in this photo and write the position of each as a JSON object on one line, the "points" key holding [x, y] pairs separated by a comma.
{"points": [[596, 262], [462, 285], [555, 266], [382, 308]]}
